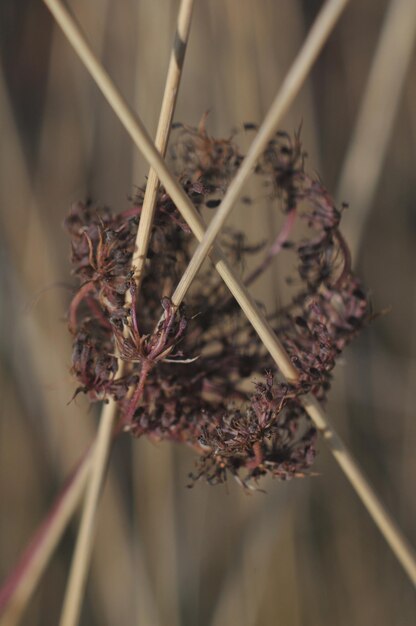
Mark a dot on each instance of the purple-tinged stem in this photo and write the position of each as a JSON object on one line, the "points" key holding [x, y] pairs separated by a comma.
{"points": [[346, 270], [127, 418], [22, 580], [275, 248], [76, 301]]}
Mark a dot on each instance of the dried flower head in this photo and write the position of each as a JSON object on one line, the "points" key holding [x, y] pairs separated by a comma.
{"points": [[184, 370]]}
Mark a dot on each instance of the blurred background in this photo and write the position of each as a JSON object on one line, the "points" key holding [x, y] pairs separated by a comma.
{"points": [[306, 552]]}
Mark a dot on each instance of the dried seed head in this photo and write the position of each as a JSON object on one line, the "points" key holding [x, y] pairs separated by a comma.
{"points": [[186, 371]]}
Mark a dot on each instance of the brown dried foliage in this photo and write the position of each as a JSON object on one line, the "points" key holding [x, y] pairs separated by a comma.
{"points": [[182, 376]]}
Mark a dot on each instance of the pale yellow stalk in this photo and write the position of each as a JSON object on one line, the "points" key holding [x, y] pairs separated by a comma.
{"points": [[79, 568]]}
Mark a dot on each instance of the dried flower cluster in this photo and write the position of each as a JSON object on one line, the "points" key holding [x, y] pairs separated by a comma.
{"points": [[184, 368]]}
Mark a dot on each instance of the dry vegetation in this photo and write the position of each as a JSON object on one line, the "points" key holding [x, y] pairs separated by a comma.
{"points": [[306, 552]]}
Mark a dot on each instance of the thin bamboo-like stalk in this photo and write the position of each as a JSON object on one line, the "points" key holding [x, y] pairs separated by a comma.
{"points": [[366, 152], [16, 594], [134, 126], [162, 136], [294, 80], [165, 583], [79, 567], [65, 427], [83, 548], [290, 87]]}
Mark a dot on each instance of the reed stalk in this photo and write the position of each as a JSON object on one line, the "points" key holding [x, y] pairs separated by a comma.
{"points": [[79, 568]]}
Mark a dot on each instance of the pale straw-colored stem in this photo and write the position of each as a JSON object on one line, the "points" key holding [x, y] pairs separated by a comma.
{"points": [[162, 136], [388, 527], [294, 80], [83, 548], [82, 554], [143, 237], [33, 562], [291, 85], [142, 140]]}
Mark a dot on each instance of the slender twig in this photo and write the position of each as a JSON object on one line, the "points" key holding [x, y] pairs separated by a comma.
{"points": [[366, 152], [381, 517], [142, 140], [149, 204], [81, 559], [275, 248], [78, 573], [162, 136], [394, 537], [19, 587], [401, 548], [317, 36]]}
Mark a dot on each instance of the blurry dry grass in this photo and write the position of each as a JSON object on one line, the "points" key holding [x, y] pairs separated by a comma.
{"points": [[305, 553]]}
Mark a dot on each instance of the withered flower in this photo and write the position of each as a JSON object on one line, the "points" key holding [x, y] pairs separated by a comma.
{"points": [[185, 373]]}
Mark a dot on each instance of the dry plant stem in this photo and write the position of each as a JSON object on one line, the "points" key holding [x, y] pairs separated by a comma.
{"points": [[142, 140], [79, 568], [136, 396], [275, 248], [162, 135], [294, 80], [391, 532], [19, 588]]}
